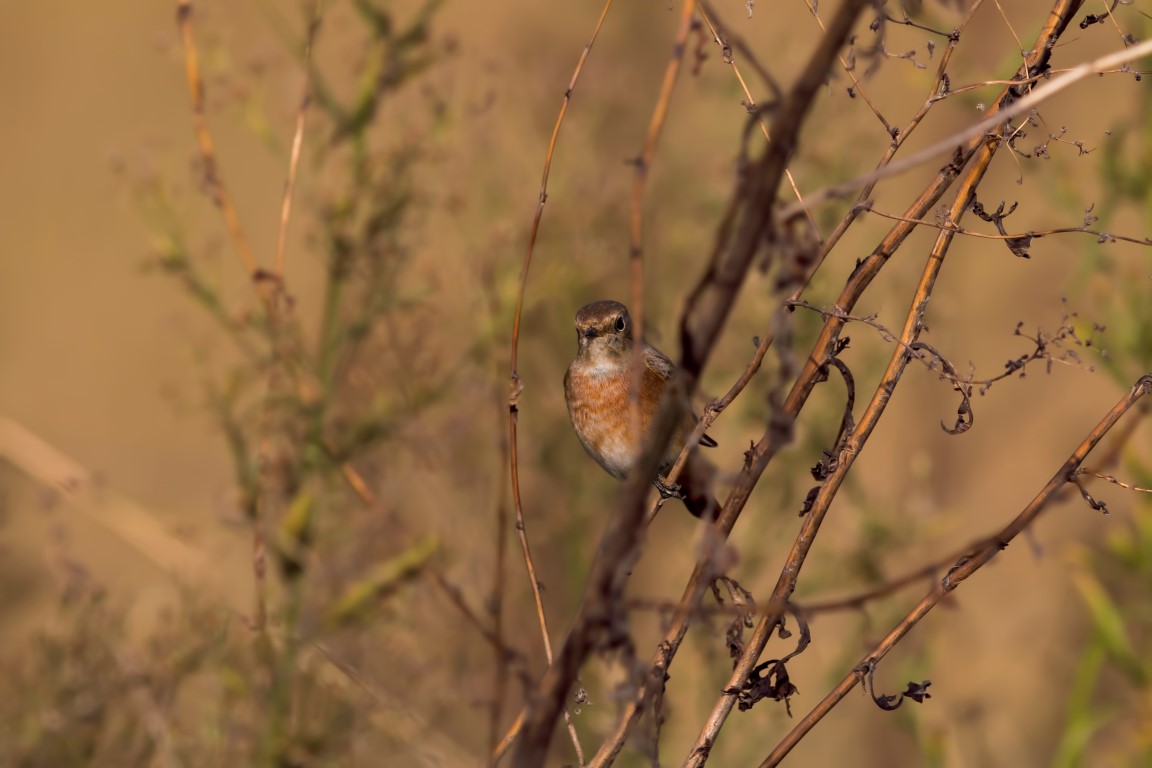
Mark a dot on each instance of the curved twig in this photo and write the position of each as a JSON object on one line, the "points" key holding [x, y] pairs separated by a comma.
{"points": [[212, 178], [516, 386], [949, 144], [786, 583], [642, 164], [963, 569], [297, 138], [707, 312]]}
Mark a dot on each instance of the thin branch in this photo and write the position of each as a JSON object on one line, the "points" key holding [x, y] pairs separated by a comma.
{"points": [[934, 361], [955, 91], [1115, 481], [269, 288], [642, 165], [509, 654], [516, 387], [802, 545], [500, 510], [762, 453], [601, 621], [947, 145], [962, 570], [212, 178], [804, 540], [850, 70], [893, 241], [711, 413], [297, 138], [1007, 23], [730, 42], [939, 84], [750, 103], [706, 314], [1101, 237], [748, 221], [858, 600]]}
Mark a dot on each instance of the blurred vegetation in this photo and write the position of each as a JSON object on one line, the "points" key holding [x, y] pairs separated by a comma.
{"points": [[1109, 717], [298, 411]]}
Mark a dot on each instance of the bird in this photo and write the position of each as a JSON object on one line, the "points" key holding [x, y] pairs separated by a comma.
{"points": [[598, 391]]}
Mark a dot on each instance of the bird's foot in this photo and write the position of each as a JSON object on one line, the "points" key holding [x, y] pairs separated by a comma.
{"points": [[668, 490]]}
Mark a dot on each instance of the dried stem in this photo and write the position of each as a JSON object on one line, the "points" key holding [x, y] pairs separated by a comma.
{"points": [[858, 600], [642, 166], [1023, 104], [297, 137], [507, 653], [748, 221], [850, 70], [964, 568], [765, 342], [516, 387], [903, 134], [600, 622], [802, 545], [1115, 481], [1102, 237], [212, 178], [707, 312], [750, 102], [223, 201], [820, 505]]}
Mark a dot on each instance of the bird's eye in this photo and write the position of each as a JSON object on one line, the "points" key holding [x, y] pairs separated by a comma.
{"points": [[620, 324]]}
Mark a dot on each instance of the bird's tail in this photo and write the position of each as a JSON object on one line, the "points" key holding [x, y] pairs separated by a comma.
{"points": [[696, 481]]}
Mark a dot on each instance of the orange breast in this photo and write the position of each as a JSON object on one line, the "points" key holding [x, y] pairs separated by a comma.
{"points": [[598, 404]]}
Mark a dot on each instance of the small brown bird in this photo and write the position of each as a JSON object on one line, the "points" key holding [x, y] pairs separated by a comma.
{"points": [[598, 389]]}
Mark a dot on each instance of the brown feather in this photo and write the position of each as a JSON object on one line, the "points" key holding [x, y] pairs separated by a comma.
{"points": [[598, 390]]}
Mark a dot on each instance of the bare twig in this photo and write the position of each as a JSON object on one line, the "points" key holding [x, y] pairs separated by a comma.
{"points": [[297, 138], [748, 220], [601, 621], [495, 602], [925, 202], [1022, 237], [805, 538], [1109, 455], [962, 570], [643, 165], [750, 103], [516, 386], [802, 545], [707, 312], [1114, 481], [212, 178], [1024, 104], [850, 70], [934, 361], [938, 84], [223, 201], [510, 655]]}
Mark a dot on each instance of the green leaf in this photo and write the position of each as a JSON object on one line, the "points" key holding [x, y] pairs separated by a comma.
{"points": [[1110, 626], [1083, 719], [381, 582]]}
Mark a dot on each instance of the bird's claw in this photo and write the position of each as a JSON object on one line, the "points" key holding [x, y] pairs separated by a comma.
{"points": [[668, 490]]}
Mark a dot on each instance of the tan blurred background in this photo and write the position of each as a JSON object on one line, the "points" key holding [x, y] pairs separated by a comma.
{"points": [[103, 361]]}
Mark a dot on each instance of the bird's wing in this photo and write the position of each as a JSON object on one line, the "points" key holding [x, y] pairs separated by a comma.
{"points": [[659, 363]]}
